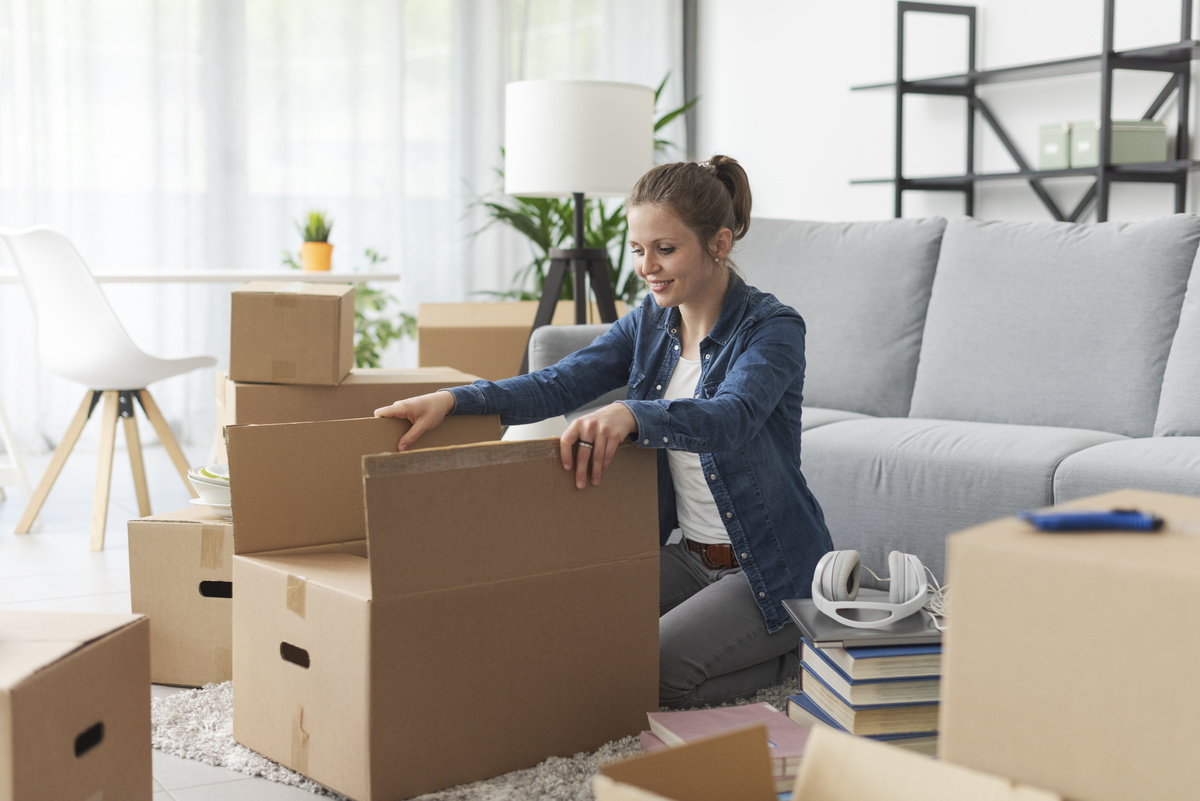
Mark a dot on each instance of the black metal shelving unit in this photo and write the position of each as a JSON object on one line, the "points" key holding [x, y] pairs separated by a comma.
{"points": [[1174, 58]]}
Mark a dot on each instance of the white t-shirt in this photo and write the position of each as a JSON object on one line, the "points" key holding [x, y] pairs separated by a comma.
{"points": [[694, 504]]}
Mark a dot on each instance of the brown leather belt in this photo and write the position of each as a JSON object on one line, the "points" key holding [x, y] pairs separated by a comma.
{"points": [[716, 557]]}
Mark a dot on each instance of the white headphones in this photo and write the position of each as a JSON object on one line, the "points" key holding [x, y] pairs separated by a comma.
{"points": [[836, 581]]}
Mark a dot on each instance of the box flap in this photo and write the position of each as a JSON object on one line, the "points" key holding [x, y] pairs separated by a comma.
{"points": [[29, 641], [840, 767], [447, 376], [502, 314], [729, 766], [296, 288], [453, 517], [299, 484]]}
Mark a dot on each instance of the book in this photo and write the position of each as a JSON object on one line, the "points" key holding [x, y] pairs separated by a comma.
{"points": [[868, 719], [887, 661], [785, 736], [804, 711], [823, 631], [858, 692]]}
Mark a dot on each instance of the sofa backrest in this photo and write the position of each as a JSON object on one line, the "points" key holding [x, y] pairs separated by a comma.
{"points": [[1179, 406], [1058, 324], [862, 289]]}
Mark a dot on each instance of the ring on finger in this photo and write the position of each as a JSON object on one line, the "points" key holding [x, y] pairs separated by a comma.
{"points": [[585, 444]]}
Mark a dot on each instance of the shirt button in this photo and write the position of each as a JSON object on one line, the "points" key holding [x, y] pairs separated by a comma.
{"points": [[672, 330], [712, 476], [762, 595], [658, 386], [744, 554], [729, 514], [664, 439], [696, 395], [708, 356], [676, 347], [645, 442]]}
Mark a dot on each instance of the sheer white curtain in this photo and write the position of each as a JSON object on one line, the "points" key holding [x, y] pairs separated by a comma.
{"points": [[168, 135]]}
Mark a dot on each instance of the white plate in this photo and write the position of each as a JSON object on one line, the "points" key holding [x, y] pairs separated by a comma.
{"points": [[223, 509]]}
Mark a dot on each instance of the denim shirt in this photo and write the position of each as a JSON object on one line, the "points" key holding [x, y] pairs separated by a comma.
{"points": [[744, 422]]}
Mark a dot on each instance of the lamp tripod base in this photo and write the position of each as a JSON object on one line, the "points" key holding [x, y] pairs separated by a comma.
{"points": [[589, 263]]}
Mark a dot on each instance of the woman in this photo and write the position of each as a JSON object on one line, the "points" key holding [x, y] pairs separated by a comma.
{"points": [[715, 372]]}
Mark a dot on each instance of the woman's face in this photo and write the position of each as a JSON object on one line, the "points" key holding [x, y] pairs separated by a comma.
{"points": [[669, 257]]}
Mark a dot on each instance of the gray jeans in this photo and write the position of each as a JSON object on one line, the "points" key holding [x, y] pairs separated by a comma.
{"points": [[713, 643]]}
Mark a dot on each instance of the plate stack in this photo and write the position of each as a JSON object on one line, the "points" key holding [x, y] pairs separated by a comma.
{"points": [[212, 482]]}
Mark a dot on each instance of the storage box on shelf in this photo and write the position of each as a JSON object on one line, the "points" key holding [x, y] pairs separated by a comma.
{"points": [[484, 633]]}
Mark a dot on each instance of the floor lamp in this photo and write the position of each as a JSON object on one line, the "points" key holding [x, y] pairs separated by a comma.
{"points": [[577, 138]]}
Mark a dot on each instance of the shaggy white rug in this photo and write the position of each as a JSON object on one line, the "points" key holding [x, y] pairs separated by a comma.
{"points": [[198, 724]]}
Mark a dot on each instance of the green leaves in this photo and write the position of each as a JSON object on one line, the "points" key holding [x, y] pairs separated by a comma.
{"points": [[317, 229]]}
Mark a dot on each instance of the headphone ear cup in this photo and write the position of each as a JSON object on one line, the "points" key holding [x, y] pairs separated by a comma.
{"points": [[840, 579], [905, 572]]}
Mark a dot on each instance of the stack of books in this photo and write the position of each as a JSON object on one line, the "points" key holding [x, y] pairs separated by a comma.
{"points": [[887, 693], [785, 737]]}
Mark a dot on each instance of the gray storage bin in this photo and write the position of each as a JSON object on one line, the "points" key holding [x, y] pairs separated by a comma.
{"points": [[1133, 141]]}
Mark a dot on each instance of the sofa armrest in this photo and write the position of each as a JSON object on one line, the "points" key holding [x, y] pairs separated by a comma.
{"points": [[550, 343]]}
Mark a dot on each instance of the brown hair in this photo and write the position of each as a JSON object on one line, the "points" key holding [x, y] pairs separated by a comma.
{"points": [[706, 196]]}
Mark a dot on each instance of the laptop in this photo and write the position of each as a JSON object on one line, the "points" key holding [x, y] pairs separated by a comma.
{"points": [[825, 632]]}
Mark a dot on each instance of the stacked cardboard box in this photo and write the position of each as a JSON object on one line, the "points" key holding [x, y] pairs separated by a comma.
{"points": [[407, 622], [74, 707]]}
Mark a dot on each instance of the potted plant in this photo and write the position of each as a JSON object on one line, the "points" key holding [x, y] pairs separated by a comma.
{"points": [[316, 253]]}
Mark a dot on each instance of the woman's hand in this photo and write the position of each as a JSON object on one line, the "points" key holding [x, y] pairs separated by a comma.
{"points": [[598, 434], [423, 411]]}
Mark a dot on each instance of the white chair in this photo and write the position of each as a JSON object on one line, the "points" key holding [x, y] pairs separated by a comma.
{"points": [[80, 338], [13, 474]]}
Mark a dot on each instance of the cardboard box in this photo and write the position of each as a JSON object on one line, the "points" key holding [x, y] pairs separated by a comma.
{"points": [[74, 707], [484, 339], [836, 767], [502, 617], [359, 395], [291, 333], [1071, 659], [181, 576]]}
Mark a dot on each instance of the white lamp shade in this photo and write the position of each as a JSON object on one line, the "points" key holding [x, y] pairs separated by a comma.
{"points": [[562, 137]]}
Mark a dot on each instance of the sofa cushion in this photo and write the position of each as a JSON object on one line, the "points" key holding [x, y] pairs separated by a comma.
{"points": [[1055, 324], [906, 484], [1179, 405], [1162, 464], [813, 416], [862, 289]]}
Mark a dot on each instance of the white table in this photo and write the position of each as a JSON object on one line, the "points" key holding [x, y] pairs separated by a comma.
{"points": [[207, 277]]}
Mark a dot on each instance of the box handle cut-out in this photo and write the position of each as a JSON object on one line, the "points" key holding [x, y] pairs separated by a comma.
{"points": [[294, 654], [216, 589], [89, 738]]}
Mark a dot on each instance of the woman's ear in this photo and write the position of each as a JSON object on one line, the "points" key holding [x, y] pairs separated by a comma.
{"points": [[721, 244]]}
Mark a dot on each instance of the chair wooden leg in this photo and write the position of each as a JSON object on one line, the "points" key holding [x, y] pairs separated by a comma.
{"points": [[56, 463], [108, 442], [134, 443], [166, 438]]}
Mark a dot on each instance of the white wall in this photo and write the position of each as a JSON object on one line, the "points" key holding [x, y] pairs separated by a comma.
{"points": [[775, 78]]}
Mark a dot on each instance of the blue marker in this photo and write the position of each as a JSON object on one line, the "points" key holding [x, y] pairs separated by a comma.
{"points": [[1110, 520]]}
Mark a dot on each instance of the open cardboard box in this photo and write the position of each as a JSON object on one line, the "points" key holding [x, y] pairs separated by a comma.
{"points": [[74, 707], [1071, 658], [836, 767], [485, 339], [502, 616], [181, 576], [291, 332]]}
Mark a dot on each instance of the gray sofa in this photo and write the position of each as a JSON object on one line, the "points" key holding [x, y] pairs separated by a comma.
{"points": [[962, 371]]}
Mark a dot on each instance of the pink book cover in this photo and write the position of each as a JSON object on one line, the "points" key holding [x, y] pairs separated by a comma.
{"points": [[787, 738]]}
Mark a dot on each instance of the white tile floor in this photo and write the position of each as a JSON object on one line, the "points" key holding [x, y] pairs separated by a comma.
{"points": [[52, 569]]}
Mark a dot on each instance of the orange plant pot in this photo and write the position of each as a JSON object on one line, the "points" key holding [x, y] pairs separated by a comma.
{"points": [[316, 256]]}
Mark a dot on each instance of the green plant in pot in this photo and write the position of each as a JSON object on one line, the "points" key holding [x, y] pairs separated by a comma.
{"points": [[316, 254], [549, 223]]}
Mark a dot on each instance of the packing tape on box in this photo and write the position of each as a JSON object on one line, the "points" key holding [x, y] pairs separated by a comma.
{"points": [[212, 546], [297, 594], [299, 742], [281, 370], [222, 663], [294, 288]]}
